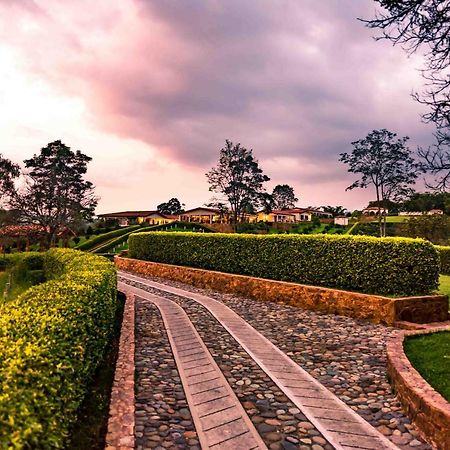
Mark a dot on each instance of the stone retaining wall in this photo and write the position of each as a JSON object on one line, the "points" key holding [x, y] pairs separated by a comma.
{"points": [[429, 411], [375, 308]]}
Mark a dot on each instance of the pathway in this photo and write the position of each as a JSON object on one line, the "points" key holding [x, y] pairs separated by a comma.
{"points": [[338, 424]]}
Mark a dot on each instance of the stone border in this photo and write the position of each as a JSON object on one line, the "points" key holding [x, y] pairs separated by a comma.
{"points": [[428, 410], [121, 423], [375, 308]]}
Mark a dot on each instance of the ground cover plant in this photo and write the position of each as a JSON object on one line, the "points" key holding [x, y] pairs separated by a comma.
{"points": [[430, 355], [389, 266], [52, 338]]}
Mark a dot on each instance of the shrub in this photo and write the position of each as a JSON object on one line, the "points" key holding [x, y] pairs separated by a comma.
{"points": [[444, 255], [51, 339], [389, 266], [97, 240]]}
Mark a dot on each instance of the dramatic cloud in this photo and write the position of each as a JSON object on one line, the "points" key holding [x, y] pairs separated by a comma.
{"points": [[295, 81]]}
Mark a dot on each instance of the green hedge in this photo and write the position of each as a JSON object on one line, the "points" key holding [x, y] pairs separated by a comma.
{"points": [[97, 240], [444, 254], [388, 266], [52, 338]]}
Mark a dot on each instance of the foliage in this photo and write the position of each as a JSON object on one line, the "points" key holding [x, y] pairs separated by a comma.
{"points": [[384, 162], [51, 340], [238, 177], [283, 196], [336, 210], [435, 228], [8, 172], [426, 201], [55, 194], [429, 354], [444, 255], [97, 240], [372, 265], [172, 207]]}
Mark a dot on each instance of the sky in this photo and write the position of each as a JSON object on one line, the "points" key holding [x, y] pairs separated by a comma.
{"points": [[151, 90]]}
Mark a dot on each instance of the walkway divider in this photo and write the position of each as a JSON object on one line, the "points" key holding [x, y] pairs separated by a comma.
{"points": [[339, 424], [220, 420]]}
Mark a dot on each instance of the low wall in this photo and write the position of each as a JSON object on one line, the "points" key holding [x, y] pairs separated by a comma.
{"points": [[374, 308], [429, 411]]}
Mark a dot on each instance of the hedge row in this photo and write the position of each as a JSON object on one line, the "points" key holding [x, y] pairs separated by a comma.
{"points": [[97, 240], [444, 254], [389, 266], [52, 338]]}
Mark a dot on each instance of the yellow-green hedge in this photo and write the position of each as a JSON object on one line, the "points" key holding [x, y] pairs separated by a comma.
{"points": [[389, 266], [52, 338], [444, 254]]}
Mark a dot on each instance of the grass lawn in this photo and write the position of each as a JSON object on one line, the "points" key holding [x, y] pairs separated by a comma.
{"points": [[396, 219], [444, 284], [430, 355]]}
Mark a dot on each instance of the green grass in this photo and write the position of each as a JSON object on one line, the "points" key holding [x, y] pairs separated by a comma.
{"points": [[444, 284], [430, 355], [396, 219]]}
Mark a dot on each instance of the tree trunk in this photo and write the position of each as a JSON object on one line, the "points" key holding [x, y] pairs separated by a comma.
{"points": [[380, 225]]}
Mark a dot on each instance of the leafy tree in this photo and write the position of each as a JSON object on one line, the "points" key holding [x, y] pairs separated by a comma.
{"points": [[426, 201], [56, 195], [9, 171], [238, 177], [219, 204], [384, 162], [336, 210], [425, 25], [283, 196], [172, 207], [434, 228]]}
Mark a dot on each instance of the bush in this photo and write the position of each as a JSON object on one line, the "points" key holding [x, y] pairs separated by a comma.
{"points": [[389, 266], [51, 339], [444, 255], [97, 240]]}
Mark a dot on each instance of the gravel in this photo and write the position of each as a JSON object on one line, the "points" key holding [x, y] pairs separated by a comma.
{"points": [[346, 355]]}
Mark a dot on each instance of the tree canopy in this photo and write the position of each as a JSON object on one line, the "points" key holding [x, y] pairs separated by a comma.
{"points": [[283, 196], [238, 177], [172, 207], [383, 161], [55, 194]]}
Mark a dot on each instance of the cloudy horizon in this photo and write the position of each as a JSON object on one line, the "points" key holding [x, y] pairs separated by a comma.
{"points": [[151, 90]]}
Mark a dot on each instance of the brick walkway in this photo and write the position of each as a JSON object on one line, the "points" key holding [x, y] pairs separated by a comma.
{"points": [[338, 423]]}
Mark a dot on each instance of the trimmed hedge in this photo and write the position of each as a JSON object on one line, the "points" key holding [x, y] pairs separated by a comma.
{"points": [[444, 254], [97, 240], [388, 266], [52, 338]]}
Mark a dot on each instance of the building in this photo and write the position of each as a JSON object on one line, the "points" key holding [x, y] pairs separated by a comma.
{"points": [[432, 212], [275, 216], [203, 215], [341, 220], [375, 210], [126, 218]]}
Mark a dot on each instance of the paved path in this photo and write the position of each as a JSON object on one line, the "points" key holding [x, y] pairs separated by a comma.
{"points": [[338, 423], [220, 419]]}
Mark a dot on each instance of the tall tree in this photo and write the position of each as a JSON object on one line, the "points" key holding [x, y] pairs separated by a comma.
{"points": [[283, 196], [173, 207], [56, 195], [9, 171], [384, 162], [238, 177], [425, 25]]}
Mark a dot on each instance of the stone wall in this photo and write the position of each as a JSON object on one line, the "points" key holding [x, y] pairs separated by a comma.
{"points": [[429, 411], [374, 308]]}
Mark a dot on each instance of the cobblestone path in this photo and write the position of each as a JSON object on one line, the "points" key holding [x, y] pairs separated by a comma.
{"points": [[282, 423]]}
